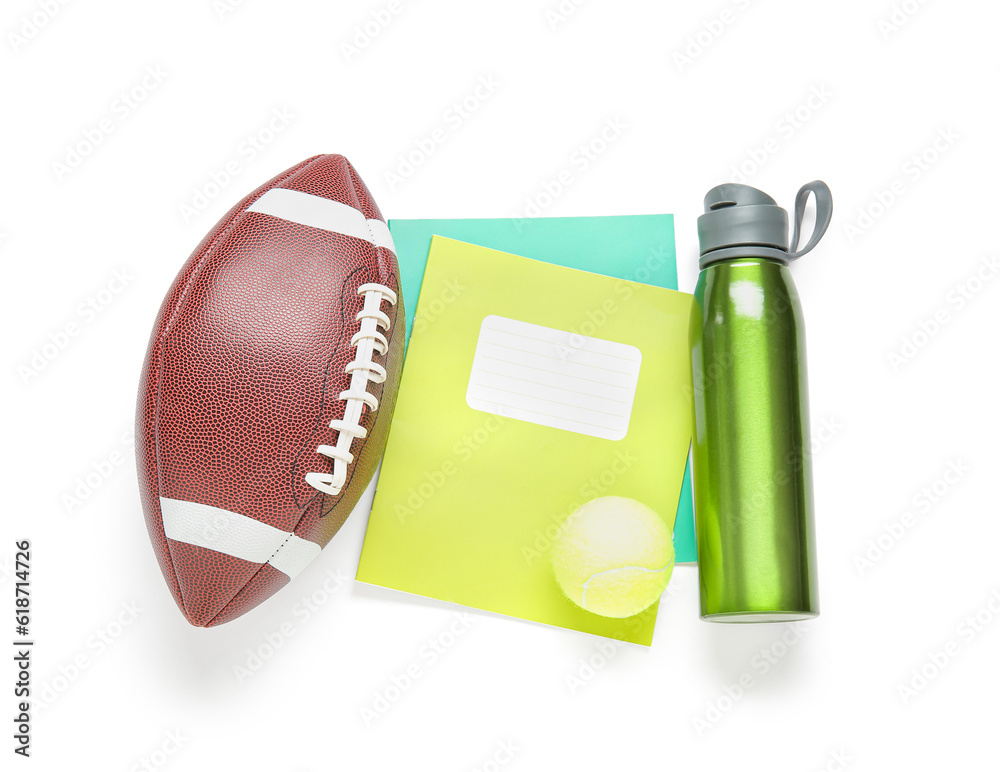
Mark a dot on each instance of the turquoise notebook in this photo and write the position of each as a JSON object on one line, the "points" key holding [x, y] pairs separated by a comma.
{"points": [[633, 247]]}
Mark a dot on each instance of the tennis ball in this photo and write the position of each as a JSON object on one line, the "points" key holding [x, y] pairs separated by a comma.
{"points": [[613, 557]]}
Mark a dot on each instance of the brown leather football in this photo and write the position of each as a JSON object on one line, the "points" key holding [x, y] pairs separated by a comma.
{"points": [[268, 388]]}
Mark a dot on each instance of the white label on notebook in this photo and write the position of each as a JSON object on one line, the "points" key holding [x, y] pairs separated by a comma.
{"points": [[554, 378]]}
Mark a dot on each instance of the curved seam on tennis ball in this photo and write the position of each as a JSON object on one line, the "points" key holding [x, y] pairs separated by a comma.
{"points": [[586, 584]]}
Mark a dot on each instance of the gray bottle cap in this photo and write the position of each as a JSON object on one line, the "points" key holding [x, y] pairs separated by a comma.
{"points": [[741, 221]]}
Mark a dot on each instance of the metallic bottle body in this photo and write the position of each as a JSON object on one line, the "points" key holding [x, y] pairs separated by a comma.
{"points": [[752, 472]]}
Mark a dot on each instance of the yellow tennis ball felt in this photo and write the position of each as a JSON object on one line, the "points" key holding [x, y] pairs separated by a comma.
{"points": [[613, 557]]}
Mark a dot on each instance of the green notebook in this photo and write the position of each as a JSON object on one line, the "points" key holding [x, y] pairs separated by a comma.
{"points": [[633, 247], [528, 389]]}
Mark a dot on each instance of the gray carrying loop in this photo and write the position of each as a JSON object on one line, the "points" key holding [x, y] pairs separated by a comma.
{"points": [[824, 213]]}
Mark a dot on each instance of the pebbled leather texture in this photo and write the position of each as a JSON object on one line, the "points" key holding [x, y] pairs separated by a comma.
{"points": [[242, 377]]}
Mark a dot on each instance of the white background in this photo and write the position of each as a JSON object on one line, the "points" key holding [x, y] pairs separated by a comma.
{"points": [[903, 371]]}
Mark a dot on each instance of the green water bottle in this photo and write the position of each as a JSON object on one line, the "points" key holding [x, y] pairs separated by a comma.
{"points": [[752, 471]]}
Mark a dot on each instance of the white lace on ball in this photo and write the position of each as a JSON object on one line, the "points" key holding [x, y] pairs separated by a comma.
{"points": [[362, 370]]}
